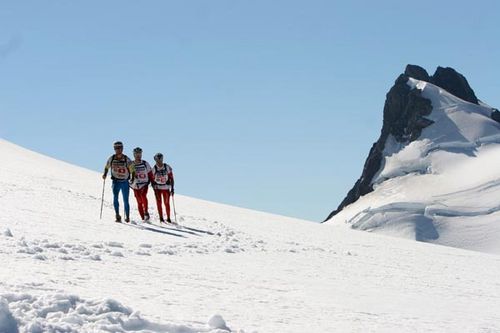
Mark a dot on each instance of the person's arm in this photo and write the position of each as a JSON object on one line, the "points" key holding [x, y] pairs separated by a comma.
{"points": [[131, 169], [151, 177], [149, 171], [106, 168], [171, 178]]}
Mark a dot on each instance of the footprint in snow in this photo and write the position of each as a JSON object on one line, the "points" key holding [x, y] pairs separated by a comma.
{"points": [[114, 244], [7, 233], [95, 257], [39, 257], [117, 254]]}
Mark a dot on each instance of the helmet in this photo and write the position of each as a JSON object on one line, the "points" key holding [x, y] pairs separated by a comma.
{"points": [[158, 157], [117, 144], [137, 150]]}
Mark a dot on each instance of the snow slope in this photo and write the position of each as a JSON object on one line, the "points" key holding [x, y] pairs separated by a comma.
{"points": [[444, 187], [227, 269]]}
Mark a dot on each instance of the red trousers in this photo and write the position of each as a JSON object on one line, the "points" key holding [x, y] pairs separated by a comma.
{"points": [[165, 194], [142, 200]]}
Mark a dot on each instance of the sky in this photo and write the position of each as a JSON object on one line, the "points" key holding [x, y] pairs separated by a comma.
{"points": [[268, 105]]}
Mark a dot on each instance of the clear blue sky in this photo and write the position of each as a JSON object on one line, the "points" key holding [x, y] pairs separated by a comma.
{"points": [[270, 105]]}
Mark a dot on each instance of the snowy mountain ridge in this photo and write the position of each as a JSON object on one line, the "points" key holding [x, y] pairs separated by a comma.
{"points": [[442, 187]]}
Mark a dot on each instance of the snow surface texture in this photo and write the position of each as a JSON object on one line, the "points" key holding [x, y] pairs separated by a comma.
{"points": [[224, 269], [444, 187], [68, 313]]}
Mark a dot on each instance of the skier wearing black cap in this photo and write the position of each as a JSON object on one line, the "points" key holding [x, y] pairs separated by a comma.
{"points": [[143, 176], [163, 185], [122, 170]]}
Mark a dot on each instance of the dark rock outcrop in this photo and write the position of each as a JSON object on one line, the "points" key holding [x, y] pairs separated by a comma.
{"points": [[404, 118], [495, 115], [404, 112], [417, 72], [455, 83]]}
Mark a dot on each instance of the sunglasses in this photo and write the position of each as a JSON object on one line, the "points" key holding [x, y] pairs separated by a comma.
{"points": [[118, 148]]}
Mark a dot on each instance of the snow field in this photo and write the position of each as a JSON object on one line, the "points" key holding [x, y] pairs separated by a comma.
{"points": [[64, 270]]}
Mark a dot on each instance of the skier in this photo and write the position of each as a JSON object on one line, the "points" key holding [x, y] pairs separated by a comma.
{"points": [[163, 185], [122, 169], [143, 175]]}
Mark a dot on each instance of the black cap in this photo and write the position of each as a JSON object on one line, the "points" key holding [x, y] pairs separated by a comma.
{"points": [[158, 156]]}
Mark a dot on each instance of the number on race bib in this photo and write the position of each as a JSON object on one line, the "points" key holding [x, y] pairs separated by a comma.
{"points": [[161, 179]]}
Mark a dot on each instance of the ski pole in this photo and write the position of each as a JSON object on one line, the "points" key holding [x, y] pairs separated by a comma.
{"points": [[102, 196], [173, 205]]}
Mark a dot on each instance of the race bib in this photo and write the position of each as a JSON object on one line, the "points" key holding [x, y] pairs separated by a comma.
{"points": [[142, 176], [120, 172], [161, 179]]}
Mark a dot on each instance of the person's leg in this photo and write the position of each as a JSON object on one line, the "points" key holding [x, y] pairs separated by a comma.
{"points": [[116, 191], [158, 203], [145, 200], [125, 193], [138, 197], [166, 198]]}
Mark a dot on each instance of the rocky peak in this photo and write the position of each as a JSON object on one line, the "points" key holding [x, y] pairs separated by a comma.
{"points": [[417, 72], [405, 112], [455, 83]]}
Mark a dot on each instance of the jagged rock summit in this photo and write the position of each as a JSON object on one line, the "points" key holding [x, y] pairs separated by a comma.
{"points": [[405, 116]]}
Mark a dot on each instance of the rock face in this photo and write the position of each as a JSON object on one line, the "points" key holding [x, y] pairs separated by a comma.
{"points": [[495, 115], [404, 118], [455, 83], [417, 72]]}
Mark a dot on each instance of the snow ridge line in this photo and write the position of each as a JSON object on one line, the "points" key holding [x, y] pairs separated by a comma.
{"points": [[491, 139], [480, 188], [428, 150], [427, 210]]}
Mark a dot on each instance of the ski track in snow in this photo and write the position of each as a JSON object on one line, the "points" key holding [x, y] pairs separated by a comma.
{"points": [[221, 239]]}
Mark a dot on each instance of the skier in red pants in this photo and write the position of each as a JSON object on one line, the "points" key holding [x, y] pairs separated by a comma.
{"points": [[163, 185], [143, 175]]}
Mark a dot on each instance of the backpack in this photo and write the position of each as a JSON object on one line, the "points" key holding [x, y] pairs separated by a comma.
{"points": [[165, 167], [111, 165]]}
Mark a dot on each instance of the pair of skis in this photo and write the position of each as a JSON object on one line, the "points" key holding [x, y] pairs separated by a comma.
{"points": [[172, 223], [102, 204]]}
